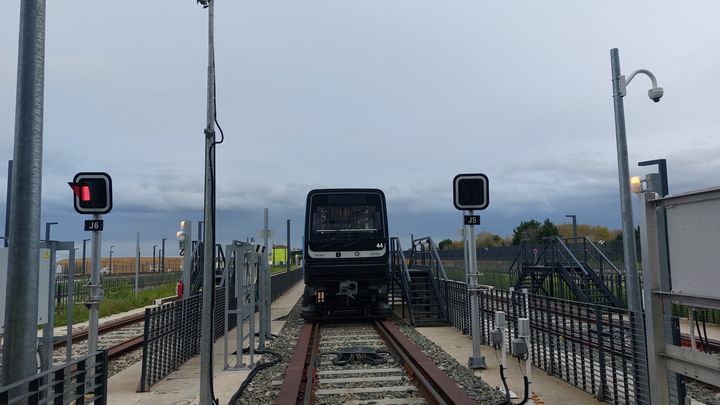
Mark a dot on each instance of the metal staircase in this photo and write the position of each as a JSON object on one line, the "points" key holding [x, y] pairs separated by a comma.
{"points": [[418, 282], [570, 268]]}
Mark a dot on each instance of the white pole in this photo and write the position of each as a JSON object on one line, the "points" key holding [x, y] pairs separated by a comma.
{"points": [[137, 261], [476, 361]]}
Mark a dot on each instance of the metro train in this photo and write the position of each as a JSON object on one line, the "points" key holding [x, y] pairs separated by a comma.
{"points": [[346, 255]]}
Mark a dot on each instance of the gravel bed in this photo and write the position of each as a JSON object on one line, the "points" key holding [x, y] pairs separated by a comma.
{"points": [[258, 392], [105, 341]]}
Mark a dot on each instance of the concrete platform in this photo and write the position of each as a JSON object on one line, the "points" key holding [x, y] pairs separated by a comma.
{"points": [[182, 386], [551, 390]]}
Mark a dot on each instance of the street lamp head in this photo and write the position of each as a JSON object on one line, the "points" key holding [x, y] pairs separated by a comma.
{"points": [[655, 94]]}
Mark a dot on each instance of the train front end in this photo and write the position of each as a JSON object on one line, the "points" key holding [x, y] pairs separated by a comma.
{"points": [[346, 255]]}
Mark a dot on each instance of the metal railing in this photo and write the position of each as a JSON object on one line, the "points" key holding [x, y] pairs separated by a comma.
{"points": [[424, 255], [592, 347], [81, 381], [81, 290], [281, 282], [172, 330]]}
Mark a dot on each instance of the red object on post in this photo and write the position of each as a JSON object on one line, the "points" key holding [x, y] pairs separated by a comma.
{"points": [[179, 288]]}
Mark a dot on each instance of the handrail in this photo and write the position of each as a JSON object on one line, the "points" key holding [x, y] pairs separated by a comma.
{"points": [[405, 272], [436, 256], [434, 259], [604, 257], [596, 250], [575, 259]]}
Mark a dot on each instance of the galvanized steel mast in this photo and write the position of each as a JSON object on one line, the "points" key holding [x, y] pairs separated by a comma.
{"points": [[206, 340], [21, 299]]}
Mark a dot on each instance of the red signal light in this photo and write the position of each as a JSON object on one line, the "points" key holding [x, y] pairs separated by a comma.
{"points": [[85, 193]]}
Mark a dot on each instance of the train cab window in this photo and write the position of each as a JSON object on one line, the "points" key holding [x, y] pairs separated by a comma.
{"points": [[332, 215]]}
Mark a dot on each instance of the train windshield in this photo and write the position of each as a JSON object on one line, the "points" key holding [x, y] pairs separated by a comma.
{"points": [[351, 215]]}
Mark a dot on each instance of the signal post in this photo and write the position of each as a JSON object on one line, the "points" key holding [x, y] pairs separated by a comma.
{"points": [[470, 192], [93, 195]]}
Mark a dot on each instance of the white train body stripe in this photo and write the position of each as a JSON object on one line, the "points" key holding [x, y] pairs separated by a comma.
{"points": [[352, 254]]}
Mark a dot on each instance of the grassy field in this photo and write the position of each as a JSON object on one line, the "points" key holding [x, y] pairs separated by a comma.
{"points": [[116, 302]]}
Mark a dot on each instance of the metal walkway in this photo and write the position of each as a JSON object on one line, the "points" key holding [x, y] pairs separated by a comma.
{"points": [[571, 268], [418, 280]]}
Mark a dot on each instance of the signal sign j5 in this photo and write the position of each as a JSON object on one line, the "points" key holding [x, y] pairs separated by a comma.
{"points": [[92, 192]]}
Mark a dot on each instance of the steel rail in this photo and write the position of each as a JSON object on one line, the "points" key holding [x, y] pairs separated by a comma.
{"points": [[295, 370], [440, 388], [311, 374], [104, 328], [125, 347]]}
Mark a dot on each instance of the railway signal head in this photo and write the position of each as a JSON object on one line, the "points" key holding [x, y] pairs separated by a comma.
{"points": [[470, 191], [92, 192]]}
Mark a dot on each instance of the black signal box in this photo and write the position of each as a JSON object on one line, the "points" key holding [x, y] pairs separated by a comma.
{"points": [[470, 191], [92, 192]]}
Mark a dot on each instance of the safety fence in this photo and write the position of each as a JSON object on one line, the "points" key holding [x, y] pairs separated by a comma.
{"points": [[281, 282], [81, 289], [81, 381], [597, 348], [172, 330]]}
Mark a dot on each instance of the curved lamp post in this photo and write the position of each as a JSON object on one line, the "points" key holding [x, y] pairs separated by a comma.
{"points": [[629, 249], [632, 281]]}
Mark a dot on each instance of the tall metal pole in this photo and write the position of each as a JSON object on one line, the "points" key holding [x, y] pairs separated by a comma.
{"points": [[7, 202], [83, 257], [632, 280], [288, 245], [137, 262], [46, 343], [187, 257], [21, 303], [95, 292], [47, 229], [574, 218], [476, 361], [110, 265], [154, 269], [629, 249], [265, 284], [162, 258], [206, 339], [671, 329]]}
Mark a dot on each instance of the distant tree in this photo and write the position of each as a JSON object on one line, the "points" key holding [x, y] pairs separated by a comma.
{"points": [[534, 231], [444, 243], [487, 239], [619, 235], [548, 229], [526, 230], [595, 233]]}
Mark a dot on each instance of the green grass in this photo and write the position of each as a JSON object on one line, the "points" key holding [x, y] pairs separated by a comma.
{"points": [[116, 302]]}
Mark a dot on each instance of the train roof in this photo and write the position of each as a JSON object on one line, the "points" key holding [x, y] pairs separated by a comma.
{"points": [[345, 190]]}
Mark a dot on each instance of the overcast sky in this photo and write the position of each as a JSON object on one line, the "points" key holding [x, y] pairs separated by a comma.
{"points": [[400, 95]]}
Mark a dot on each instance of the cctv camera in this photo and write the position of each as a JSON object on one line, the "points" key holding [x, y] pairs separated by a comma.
{"points": [[655, 94]]}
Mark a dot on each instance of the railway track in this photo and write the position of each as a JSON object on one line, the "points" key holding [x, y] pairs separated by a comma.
{"points": [[362, 364], [118, 336]]}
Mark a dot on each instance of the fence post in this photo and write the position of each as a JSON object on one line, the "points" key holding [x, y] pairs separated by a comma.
{"points": [[101, 366], [601, 354], [551, 344], [142, 386]]}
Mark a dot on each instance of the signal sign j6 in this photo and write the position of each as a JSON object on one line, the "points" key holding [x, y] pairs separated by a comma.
{"points": [[470, 191], [92, 192]]}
